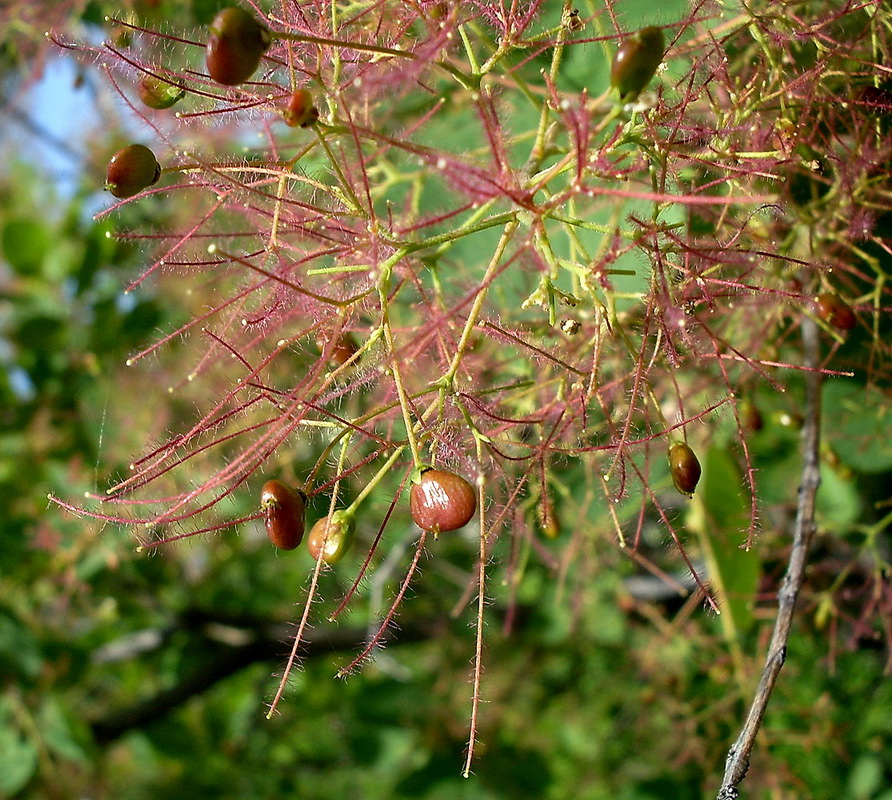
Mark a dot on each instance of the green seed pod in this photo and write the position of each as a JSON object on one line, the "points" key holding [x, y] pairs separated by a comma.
{"points": [[235, 46], [283, 510], [636, 61], [835, 311], [442, 501], [331, 537], [132, 169], [684, 467], [300, 111], [157, 93]]}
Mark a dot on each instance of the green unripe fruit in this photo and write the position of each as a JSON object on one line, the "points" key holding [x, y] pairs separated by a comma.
{"points": [[684, 467], [235, 46], [157, 93], [132, 169], [442, 501], [283, 512], [331, 537], [636, 61]]}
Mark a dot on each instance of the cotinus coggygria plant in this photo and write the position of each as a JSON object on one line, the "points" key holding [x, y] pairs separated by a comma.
{"points": [[534, 244]]}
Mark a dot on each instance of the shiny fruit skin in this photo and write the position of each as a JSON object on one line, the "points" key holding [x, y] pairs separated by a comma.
{"points": [[300, 111], [331, 537], [132, 169], [684, 467], [158, 94], [442, 501], [835, 311], [235, 46], [283, 511], [636, 62]]}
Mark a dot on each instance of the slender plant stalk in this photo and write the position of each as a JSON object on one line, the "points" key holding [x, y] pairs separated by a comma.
{"points": [[738, 760]]}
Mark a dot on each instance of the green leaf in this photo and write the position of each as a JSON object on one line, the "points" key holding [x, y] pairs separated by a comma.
{"points": [[25, 243], [720, 517], [59, 733], [838, 502], [858, 425], [865, 777], [18, 762]]}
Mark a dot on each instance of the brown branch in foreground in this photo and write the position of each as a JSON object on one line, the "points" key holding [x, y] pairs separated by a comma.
{"points": [[225, 659], [738, 761]]}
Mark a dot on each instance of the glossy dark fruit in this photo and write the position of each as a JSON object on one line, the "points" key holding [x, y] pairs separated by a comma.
{"points": [[636, 62], [442, 501], [835, 311], [331, 537], [132, 169], [684, 467], [283, 511], [300, 111], [235, 46], [157, 93]]}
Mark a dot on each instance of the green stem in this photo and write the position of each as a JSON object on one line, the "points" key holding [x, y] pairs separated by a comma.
{"points": [[379, 475]]}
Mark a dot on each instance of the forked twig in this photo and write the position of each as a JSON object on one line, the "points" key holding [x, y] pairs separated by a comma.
{"points": [[738, 761]]}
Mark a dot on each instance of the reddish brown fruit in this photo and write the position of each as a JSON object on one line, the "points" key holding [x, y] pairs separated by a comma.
{"points": [[636, 61], [343, 349], [300, 111], [835, 311], [132, 169], [442, 501], [685, 468], [283, 510], [331, 537], [235, 46]]}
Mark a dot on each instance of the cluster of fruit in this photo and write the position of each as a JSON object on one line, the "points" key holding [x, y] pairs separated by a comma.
{"points": [[235, 46], [439, 501]]}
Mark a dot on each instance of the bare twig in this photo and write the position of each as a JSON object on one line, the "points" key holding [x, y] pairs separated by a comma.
{"points": [[262, 641], [738, 760]]}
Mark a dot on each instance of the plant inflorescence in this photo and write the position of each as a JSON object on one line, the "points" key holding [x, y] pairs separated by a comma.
{"points": [[468, 235]]}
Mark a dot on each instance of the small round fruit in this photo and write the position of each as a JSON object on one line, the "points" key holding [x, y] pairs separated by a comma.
{"points": [[300, 111], [442, 501], [283, 511], [235, 46], [157, 93], [835, 311], [636, 61], [343, 349], [684, 467], [331, 537], [132, 169]]}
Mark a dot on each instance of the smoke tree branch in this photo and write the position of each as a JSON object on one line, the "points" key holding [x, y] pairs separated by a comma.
{"points": [[224, 659], [738, 760]]}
